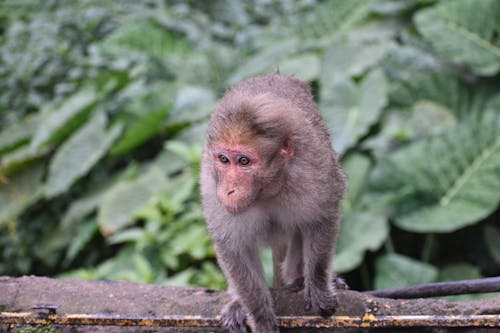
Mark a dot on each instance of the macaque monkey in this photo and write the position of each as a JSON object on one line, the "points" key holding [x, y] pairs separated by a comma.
{"points": [[270, 177]]}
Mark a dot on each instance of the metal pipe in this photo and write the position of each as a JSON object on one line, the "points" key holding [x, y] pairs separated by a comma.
{"points": [[447, 288]]}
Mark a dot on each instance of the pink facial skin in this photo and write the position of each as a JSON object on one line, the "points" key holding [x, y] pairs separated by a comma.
{"points": [[236, 166]]}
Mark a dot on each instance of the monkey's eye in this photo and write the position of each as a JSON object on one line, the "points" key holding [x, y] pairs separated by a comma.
{"points": [[223, 159], [244, 161]]}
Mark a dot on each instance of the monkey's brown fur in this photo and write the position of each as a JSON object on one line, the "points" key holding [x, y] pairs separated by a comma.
{"points": [[270, 177]]}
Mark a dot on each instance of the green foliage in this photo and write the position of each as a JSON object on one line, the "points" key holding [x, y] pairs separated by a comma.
{"points": [[103, 108], [465, 32], [79, 154], [457, 184], [394, 270]]}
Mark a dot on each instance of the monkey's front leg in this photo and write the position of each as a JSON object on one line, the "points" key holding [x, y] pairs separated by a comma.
{"points": [[245, 275], [318, 246]]}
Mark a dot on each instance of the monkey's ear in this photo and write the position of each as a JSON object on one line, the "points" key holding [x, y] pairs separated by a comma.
{"points": [[287, 150]]}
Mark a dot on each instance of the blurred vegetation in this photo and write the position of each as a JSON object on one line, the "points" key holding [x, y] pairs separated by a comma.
{"points": [[103, 107]]}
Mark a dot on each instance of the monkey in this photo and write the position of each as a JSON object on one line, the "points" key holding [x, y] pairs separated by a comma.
{"points": [[270, 177]]}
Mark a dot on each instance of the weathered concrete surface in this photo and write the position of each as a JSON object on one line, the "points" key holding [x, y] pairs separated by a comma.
{"points": [[118, 297]]}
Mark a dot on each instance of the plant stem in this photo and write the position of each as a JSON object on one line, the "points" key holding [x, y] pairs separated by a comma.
{"points": [[428, 247]]}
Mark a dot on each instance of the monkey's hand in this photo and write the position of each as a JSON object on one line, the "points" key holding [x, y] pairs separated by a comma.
{"points": [[322, 299], [233, 317]]}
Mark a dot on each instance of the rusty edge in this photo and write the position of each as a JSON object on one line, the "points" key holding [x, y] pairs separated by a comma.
{"points": [[366, 321]]}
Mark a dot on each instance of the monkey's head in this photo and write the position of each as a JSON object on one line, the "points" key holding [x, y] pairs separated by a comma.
{"points": [[249, 150]]}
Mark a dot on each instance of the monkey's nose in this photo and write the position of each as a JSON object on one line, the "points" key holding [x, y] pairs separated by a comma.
{"points": [[230, 192]]}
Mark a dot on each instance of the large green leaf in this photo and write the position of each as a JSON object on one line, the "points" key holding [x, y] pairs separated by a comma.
{"points": [[19, 191], [447, 182], [360, 231], [80, 208], [193, 103], [125, 198], [442, 91], [62, 121], [79, 154], [400, 126], [265, 60], [18, 133], [362, 227], [356, 166], [464, 31], [144, 37], [351, 109], [142, 130], [331, 18], [305, 67], [394, 270], [350, 60], [21, 157]]}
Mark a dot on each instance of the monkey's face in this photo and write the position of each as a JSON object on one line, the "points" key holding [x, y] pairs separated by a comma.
{"points": [[237, 170], [246, 172]]}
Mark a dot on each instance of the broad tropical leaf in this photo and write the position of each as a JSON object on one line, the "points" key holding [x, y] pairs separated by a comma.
{"points": [[442, 91], [447, 182], [394, 270], [400, 127], [140, 131], [305, 67], [464, 31], [125, 198], [351, 59], [357, 167], [360, 232], [145, 37], [79, 154], [193, 103], [265, 60], [18, 133], [58, 123], [362, 228], [21, 157], [332, 18], [351, 109], [19, 191]]}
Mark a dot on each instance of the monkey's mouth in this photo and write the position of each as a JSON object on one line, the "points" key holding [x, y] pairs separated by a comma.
{"points": [[234, 202], [236, 209]]}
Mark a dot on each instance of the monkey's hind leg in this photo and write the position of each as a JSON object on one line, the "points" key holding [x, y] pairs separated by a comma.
{"points": [[318, 290], [233, 317]]}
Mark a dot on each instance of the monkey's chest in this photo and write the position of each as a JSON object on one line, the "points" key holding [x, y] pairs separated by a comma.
{"points": [[272, 231]]}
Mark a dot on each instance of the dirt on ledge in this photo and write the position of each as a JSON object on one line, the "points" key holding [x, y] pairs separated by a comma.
{"points": [[127, 298]]}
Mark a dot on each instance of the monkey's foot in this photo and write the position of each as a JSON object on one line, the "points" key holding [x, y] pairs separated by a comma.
{"points": [[233, 317], [324, 301], [263, 323], [298, 284]]}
